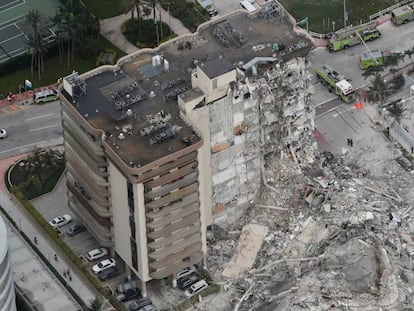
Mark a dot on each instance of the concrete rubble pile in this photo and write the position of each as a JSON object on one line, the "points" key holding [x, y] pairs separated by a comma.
{"points": [[339, 236]]}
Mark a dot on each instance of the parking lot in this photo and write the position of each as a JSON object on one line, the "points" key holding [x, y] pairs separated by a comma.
{"points": [[54, 204]]}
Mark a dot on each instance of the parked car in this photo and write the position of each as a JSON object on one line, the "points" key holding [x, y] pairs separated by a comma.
{"points": [[104, 264], [60, 221], [140, 303], [3, 133], [109, 273], [127, 285], [184, 273], [196, 288], [96, 253], [187, 281], [75, 229], [129, 294]]}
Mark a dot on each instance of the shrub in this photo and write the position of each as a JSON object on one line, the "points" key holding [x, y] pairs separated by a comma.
{"points": [[143, 33]]}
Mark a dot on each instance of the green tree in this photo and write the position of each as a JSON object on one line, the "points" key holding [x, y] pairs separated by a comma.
{"points": [[397, 110], [34, 18], [378, 90], [95, 304], [37, 48]]}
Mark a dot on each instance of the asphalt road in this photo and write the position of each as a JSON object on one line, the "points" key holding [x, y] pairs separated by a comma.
{"points": [[34, 126]]}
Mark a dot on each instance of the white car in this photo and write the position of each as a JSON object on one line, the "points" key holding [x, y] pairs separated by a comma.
{"points": [[3, 133], [196, 288], [184, 273], [96, 253], [60, 221], [104, 264]]}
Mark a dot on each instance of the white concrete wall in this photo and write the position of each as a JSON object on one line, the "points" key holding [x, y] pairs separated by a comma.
{"points": [[141, 232], [120, 214]]}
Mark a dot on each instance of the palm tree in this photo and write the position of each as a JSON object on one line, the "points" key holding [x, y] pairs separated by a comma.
{"points": [[153, 4], [378, 91], [372, 71], [397, 110], [34, 17], [37, 48], [133, 6]]}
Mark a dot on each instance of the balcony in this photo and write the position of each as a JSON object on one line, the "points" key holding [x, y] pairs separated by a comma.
{"points": [[170, 218], [173, 248], [176, 195], [167, 178], [181, 255], [176, 266], [169, 229], [171, 208], [178, 183], [194, 229]]}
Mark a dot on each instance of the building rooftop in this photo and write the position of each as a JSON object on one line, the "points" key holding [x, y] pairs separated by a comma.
{"points": [[135, 104]]}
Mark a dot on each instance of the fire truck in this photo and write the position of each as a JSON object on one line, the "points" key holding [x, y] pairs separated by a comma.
{"points": [[336, 83], [403, 14], [378, 58], [349, 36]]}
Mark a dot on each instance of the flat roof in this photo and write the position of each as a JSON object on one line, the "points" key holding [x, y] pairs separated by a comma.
{"points": [[150, 86]]}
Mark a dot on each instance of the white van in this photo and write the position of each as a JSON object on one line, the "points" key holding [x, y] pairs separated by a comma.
{"points": [[196, 288], [245, 4], [45, 96]]}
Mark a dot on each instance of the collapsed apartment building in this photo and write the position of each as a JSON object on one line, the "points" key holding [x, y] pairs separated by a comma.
{"points": [[172, 140], [325, 231]]}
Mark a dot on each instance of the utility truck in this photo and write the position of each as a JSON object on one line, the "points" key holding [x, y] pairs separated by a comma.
{"points": [[378, 58], [403, 14], [336, 83], [352, 35]]}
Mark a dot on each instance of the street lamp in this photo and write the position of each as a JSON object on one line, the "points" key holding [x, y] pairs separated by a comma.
{"points": [[345, 14]]}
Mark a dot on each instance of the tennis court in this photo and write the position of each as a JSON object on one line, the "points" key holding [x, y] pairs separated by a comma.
{"points": [[15, 30]]}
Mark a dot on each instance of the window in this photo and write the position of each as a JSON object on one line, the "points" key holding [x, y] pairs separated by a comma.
{"points": [[132, 227], [214, 84]]}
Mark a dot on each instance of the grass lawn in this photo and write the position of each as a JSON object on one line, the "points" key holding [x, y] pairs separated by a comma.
{"points": [[54, 69], [320, 12], [104, 8]]}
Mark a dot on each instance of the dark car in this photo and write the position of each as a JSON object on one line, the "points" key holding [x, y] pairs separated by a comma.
{"points": [[129, 294], [187, 281], [75, 229], [405, 163], [136, 305], [108, 274]]}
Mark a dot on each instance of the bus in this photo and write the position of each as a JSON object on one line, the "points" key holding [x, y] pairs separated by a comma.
{"points": [[45, 96]]}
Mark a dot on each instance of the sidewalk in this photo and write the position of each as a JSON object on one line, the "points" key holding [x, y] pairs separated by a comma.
{"points": [[79, 284], [111, 28]]}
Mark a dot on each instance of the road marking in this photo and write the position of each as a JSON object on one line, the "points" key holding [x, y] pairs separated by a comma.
{"points": [[42, 116], [22, 147], [45, 127]]}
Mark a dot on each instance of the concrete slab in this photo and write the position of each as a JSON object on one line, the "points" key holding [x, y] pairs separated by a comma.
{"points": [[250, 241]]}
